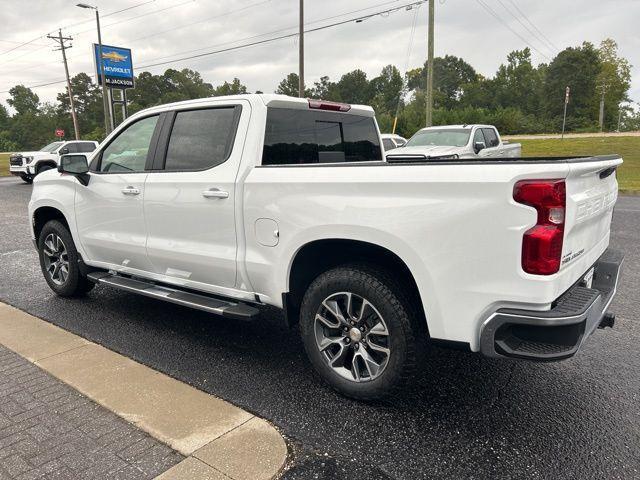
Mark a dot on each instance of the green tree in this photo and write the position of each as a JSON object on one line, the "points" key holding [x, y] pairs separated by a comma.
{"points": [[233, 88], [387, 89], [613, 81], [578, 68], [23, 100], [87, 98], [516, 84], [325, 89], [450, 78], [290, 85], [353, 87]]}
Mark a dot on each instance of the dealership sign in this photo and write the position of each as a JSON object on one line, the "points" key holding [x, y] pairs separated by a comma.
{"points": [[117, 65]]}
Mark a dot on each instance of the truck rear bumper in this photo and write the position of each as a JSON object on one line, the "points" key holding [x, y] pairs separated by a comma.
{"points": [[558, 333]]}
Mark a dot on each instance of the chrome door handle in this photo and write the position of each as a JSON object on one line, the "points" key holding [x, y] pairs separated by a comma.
{"points": [[215, 193], [131, 191]]}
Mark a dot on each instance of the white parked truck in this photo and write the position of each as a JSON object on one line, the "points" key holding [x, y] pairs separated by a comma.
{"points": [[459, 141], [226, 204], [27, 165]]}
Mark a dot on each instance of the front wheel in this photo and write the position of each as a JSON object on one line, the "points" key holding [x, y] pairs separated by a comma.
{"points": [[59, 261], [357, 329], [26, 179]]}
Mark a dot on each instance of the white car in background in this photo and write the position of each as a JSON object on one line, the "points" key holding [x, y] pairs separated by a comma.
{"points": [[27, 165], [391, 141], [459, 141]]}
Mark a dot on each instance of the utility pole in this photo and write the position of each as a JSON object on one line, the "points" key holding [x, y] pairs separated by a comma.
{"points": [[108, 120], [429, 96], [601, 114], [301, 53], [60, 40]]}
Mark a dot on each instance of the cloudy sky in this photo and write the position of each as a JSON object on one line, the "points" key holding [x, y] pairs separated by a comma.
{"points": [[480, 31]]}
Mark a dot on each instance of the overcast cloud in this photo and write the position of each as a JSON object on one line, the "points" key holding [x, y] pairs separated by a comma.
{"points": [[463, 28]]}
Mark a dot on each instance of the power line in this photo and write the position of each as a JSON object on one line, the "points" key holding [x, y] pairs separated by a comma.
{"points": [[503, 22], [553, 45], [246, 7], [273, 32], [260, 42], [225, 43], [23, 44], [153, 12], [289, 35], [527, 28], [109, 14]]}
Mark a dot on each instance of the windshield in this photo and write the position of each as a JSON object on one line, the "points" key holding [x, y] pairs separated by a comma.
{"points": [[51, 147], [440, 137]]}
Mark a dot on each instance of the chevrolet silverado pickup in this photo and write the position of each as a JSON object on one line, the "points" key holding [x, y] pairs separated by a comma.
{"points": [[459, 141], [227, 204], [27, 165]]}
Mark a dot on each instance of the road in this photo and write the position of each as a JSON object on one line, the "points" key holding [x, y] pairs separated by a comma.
{"points": [[465, 417]]}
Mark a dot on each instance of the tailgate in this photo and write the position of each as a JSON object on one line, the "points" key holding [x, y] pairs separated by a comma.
{"points": [[592, 190]]}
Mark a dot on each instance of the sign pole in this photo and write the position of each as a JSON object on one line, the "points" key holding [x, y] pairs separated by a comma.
{"points": [[564, 117], [108, 121]]}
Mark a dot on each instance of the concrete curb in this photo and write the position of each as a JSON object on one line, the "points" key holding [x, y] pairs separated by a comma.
{"points": [[220, 440]]}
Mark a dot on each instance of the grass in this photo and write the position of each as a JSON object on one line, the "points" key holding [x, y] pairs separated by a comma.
{"points": [[627, 147], [4, 164]]}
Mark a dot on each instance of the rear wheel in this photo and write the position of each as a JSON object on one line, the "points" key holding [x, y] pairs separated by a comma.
{"points": [[59, 261], [357, 329]]}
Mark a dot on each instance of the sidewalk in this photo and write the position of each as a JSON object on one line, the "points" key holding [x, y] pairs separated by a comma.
{"points": [[70, 408], [49, 430]]}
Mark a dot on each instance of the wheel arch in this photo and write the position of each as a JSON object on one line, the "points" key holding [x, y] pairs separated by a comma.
{"points": [[318, 256], [49, 162], [44, 214]]}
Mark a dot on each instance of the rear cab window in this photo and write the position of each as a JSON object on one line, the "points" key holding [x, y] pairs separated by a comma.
{"points": [[298, 136]]}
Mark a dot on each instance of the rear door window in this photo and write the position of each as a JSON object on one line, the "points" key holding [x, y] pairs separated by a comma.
{"points": [[295, 136], [491, 137], [85, 147], [478, 137], [201, 139]]}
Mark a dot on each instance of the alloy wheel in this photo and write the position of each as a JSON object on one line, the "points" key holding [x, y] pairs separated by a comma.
{"points": [[56, 259], [352, 337]]}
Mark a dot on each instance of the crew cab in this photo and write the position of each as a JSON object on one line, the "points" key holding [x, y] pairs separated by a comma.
{"points": [[27, 165], [228, 204], [459, 141]]}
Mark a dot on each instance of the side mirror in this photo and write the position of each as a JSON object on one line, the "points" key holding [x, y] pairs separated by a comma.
{"points": [[64, 151], [76, 165], [479, 146]]}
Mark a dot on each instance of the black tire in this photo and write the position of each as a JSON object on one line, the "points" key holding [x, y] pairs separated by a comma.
{"points": [[73, 284], [26, 179], [400, 315], [43, 168]]}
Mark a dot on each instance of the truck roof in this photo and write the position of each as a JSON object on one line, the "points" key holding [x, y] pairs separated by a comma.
{"points": [[466, 126], [268, 99]]}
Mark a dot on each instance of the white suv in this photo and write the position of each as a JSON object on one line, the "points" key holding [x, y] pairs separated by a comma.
{"points": [[27, 165]]}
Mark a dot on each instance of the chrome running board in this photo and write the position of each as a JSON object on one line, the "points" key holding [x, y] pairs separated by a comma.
{"points": [[226, 308]]}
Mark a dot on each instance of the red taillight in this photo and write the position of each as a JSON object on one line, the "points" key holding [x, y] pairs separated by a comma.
{"points": [[326, 105], [542, 244]]}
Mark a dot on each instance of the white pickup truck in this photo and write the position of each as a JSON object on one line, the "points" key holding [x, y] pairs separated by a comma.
{"points": [[27, 165], [226, 204], [458, 141]]}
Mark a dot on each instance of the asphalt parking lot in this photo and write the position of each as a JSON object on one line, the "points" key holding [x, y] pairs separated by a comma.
{"points": [[465, 416]]}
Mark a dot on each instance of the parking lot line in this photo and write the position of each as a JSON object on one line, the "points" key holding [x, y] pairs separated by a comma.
{"points": [[223, 441]]}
